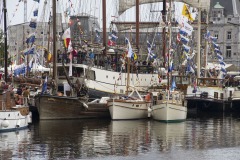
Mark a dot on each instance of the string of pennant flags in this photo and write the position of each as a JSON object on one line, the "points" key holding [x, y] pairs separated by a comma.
{"points": [[216, 49]]}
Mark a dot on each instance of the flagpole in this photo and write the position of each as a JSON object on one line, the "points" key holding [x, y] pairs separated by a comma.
{"points": [[199, 43]]}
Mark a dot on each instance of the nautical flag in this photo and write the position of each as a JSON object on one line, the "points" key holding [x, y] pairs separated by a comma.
{"points": [[186, 12], [130, 52], [70, 64], [188, 28], [44, 87], [223, 70], [216, 50], [31, 38], [183, 32], [178, 37], [215, 45], [222, 63], [30, 64], [219, 57], [66, 37], [35, 13], [170, 67], [173, 86], [111, 43], [33, 23], [184, 40], [186, 48], [37, 1], [207, 35], [113, 37], [214, 39], [97, 36], [29, 51]]}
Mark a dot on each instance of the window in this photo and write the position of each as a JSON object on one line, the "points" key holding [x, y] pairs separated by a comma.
{"points": [[216, 34], [229, 35], [229, 19], [228, 52]]}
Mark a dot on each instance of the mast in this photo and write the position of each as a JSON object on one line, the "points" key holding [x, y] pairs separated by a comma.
{"points": [[137, 24], [169, 43], [199, 43], [206, 50], [164, 32], [54, 41], [5, 40], [104, 26]]}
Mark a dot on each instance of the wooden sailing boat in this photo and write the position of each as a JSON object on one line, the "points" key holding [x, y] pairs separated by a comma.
{"points": [[56, 106], [129, 106], [12, 117], [169, 103]]}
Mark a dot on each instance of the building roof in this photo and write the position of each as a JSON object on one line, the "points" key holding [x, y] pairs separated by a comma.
{"points": [[218, 6], [231, 7]]}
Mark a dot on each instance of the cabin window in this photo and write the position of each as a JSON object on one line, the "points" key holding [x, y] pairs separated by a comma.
{"points": [[216, 95], [90, 74], [121, 91]]}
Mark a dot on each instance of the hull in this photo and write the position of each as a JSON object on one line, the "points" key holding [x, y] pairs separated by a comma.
{"points": [[60, 107], [128, 109], [13, 120], [168, 112]]}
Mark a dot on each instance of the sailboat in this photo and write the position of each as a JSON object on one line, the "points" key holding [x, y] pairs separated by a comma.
{"points": [[129, 106], [71, 105], [169, 103], [12, 117]]}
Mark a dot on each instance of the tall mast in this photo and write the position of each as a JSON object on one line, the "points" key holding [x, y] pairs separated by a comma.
{"points": [[169, 42], [164, 32], [199, 43], [104, 26], [137, 24], [54, 41], [5, 40]]}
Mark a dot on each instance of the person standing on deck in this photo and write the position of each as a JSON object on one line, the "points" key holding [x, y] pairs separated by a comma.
{"points": [[26, 94]]}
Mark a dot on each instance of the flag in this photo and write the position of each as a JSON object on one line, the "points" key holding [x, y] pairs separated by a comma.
{"points": [[49, 57], [111, 43], [70, 65], [207, 35], [183, 32], [113, 37], [214, 39], [29, 51], [31, 38], [186, 13], [222, 63], [37, 1], [219, 57], [130, 52], [44, 87], [186, 48], [97, 36], [135, 56], [184, 40], [66, 37], [173, 85], [35, 13], [170, 67], [216, 50], [33, 23], [188, 28], [223, 70], [178, 37], [215, 45]]}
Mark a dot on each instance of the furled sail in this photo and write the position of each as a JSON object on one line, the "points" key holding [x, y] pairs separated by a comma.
{"points": [[127, 4]]}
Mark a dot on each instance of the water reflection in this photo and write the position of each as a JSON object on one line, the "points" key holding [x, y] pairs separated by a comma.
{"points": [[138, 139]]}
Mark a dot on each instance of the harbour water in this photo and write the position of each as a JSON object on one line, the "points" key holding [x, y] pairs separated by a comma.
{"points": [[200, 137]]}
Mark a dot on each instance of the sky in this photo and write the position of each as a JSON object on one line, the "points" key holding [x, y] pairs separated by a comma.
{"points": [[15, 10]]}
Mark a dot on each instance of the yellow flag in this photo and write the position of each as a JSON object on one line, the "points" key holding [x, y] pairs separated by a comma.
{"points": [[186, 12], [49, 58], [135, 56]]}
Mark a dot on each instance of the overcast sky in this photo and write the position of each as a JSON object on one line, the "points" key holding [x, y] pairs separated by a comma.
{"points": [[15, 10]]}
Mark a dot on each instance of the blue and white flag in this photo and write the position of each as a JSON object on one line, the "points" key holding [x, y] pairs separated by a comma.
{"points": [[186, 48], [214, 39], [222, 63], [97, 36], [215, 45], [44, 87], [35, 13], [216, 50], [33, 23], [29, 51], [37, 1], [219, 57], [170, 67], [223, 70], [31, 38], [183, 32], [173, 85], [184, 40], [130, 51], [207, 35]]}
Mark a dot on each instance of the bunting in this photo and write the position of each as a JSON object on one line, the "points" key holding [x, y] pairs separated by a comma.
{"points": [[186, 13]]}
